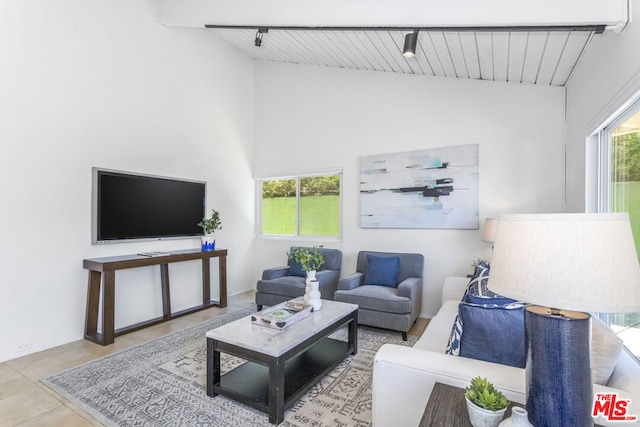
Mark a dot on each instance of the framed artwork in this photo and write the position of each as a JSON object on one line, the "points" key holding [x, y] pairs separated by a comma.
{"points": [[435, 188]]}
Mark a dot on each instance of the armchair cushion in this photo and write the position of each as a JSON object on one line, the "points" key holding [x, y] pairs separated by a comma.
{"points": [[382, 271], [378, 298], [296, 269]]}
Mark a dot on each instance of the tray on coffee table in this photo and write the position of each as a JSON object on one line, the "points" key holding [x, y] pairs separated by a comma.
{"points": [[282, 315]]}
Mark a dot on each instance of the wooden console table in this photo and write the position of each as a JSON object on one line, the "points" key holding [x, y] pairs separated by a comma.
{"points": [[104, 286]]}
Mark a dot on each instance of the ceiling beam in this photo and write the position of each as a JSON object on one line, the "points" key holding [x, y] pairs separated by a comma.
{"points": [[399, 13]]}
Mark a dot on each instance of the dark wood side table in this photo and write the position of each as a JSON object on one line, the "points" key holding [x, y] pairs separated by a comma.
{"points": [[105, 286], [448, 408]]}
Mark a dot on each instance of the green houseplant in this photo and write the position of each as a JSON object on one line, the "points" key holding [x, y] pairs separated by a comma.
{"points": [[209, 225], [309, 258], [485, 404]]}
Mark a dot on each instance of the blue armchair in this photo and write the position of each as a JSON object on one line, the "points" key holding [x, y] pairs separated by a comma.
{"points": [[387, 287], [278, 285]]}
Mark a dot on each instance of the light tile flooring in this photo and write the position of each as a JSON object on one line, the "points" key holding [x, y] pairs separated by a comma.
{"points": [[24, 401]]}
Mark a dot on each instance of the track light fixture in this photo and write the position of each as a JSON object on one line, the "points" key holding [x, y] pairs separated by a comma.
{"points": [[259, 34], [410, 44]]}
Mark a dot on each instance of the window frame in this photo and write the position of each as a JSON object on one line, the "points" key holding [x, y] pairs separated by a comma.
{"points": [[298, 176], [603, 139]]}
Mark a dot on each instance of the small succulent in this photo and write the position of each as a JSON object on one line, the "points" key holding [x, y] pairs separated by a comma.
{"points": [[482, 393], [309, 258]]}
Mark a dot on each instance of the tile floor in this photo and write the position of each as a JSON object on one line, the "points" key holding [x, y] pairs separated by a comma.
{"points": [[24, 401]]}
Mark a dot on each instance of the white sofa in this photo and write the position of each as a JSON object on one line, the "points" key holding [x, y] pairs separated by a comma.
{"points": [[403, 377]]}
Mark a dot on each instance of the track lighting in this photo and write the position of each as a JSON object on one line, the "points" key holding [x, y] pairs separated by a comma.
{"points": [[259, 34], [410, 44]]}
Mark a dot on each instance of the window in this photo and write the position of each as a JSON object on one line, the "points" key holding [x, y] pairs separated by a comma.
{"points": [[619, 191], [301, 205]]}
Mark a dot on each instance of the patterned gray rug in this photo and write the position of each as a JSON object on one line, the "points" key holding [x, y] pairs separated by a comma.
{"points": [[162, 383]]}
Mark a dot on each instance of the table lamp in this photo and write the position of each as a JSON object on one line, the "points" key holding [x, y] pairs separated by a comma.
{"points": [[489, 230], [565, 264]]}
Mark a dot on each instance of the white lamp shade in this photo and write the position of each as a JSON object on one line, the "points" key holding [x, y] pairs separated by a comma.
{"points": [[489, 230], [582, 262]]}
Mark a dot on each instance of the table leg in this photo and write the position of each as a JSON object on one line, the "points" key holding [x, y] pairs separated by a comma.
{"points": [[206, 281], [166, 293], [213, 367], [93, 301], [353, 333], [108, 307], [222, 273], [276, 390]]}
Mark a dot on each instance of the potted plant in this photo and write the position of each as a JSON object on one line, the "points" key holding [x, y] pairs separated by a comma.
{"points": [[485, 404], [310, 259], [209, 225]]}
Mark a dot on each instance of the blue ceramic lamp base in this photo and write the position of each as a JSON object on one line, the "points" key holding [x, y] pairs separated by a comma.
{"points": [[559, 387]]}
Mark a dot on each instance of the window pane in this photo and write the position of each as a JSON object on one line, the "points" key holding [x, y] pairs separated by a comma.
{"points": [[320, 206], [625, 197], [279, 206]]}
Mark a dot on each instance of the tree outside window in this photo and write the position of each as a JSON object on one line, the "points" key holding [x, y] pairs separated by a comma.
{"points": [[304, 206]]}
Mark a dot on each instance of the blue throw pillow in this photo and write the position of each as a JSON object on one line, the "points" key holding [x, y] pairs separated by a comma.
{"points": [[493, 333], [382, 271], [296, 269], [478, 283], [496, 300]]}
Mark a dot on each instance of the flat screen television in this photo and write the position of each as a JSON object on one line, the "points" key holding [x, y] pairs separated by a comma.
{"points": [[131, 206]]}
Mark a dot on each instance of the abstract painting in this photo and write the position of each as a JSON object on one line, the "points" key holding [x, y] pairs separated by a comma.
{"points": [[435, 188]]}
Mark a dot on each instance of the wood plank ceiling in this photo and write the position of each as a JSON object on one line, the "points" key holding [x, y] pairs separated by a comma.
{"points": [[535, 56]]}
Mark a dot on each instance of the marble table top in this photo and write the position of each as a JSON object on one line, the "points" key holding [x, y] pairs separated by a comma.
{"points": [[275, 342]]}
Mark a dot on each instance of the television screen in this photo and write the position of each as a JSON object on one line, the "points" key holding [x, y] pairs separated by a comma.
{"points": [[129, 206]]}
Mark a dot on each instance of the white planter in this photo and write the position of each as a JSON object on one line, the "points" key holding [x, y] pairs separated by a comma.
{"points": [[311, 275], [208, 242], [481, 417], [314, 295]]}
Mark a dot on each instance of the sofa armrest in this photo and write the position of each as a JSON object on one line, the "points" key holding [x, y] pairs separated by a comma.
{"points": [[351, 281], [403, 377], [328, 283], [275, 272], [410, 288]]}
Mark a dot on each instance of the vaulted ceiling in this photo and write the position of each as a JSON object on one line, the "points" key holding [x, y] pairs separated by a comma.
{"points": [[529, 42], [535, 57]]}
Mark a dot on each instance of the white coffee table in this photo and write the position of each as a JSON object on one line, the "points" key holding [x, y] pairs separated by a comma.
{"points": [[282, 364]]}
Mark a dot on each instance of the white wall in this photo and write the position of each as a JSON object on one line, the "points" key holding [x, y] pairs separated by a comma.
{"points": [[312, 118], [100, 83], [607, 76]]}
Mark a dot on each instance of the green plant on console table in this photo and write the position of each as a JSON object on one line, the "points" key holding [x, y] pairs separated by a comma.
{"points": [[309, 258], [482, 393], [209, 225]]}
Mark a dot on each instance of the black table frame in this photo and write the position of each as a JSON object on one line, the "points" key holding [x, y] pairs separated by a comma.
{"points": [[272, 384]]}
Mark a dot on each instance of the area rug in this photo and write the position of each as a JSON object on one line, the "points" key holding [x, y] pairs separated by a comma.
{"points": [[162, 383]]}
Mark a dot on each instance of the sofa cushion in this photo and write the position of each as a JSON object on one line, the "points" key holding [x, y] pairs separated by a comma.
{"points": [[378, 298], [493, 333], [382, 271], [606, 347]]}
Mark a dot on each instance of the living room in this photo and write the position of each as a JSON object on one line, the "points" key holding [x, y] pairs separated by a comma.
{"points": [[104, 84]]}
